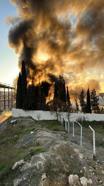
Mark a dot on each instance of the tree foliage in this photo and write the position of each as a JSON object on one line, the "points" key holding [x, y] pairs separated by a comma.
{"points": [[94, 101], [88, 103], [21, 88], [19, 97], [82, 101]]}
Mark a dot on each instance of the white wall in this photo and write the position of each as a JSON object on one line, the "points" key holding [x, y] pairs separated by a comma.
{"points": [[47, 115], [37, 115]]}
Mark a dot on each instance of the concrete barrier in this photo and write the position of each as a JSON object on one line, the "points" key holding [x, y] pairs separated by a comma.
{"points": [[47, 115]]}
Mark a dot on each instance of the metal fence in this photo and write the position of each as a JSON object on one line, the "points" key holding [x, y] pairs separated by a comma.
{"points": [[7, 97], [70, 128]]}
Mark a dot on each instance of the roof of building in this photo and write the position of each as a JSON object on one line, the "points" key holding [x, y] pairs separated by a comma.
{"points": [[6, 86]]}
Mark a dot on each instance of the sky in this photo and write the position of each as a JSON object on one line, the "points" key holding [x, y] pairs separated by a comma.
{"points": [[58, 37], [8, 57]]}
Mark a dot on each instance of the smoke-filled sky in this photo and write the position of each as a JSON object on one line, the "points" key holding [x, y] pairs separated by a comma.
{"points": [[60, 37]]}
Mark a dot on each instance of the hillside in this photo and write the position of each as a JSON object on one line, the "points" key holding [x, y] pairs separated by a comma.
{"points": [[39, 153]]}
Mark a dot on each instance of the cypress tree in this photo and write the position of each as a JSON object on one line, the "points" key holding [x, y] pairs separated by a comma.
{"points": [[24, 84], [62, 89], [30, 98], [44, 90], [68, 98], [76, 104], [56, 94], [94, 101], [64, 93], [82, 101], [88, 104], [68, 103], [21, 88], [56, 90], [19, 97]]}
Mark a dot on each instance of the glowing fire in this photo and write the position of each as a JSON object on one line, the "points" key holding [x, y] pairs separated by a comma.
{"points": [[30, 82], [42, 56]]}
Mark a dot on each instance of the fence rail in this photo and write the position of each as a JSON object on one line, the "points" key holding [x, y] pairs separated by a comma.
{"points": [[67, 125]]}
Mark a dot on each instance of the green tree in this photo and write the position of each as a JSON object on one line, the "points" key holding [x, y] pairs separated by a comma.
{"points": [[82, 101], [88, 104], [76, 104], [68, 102], [19, 97], [62, 89], [94, 101], [59, 93]]}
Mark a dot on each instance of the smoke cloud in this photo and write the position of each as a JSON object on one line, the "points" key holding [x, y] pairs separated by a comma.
{"points": [[61, 37]]}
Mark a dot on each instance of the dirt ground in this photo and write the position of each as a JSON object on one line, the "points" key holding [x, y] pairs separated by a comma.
{"points": [[44, 147]]}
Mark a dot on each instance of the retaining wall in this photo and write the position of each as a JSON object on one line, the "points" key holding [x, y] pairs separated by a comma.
{"points": [[47, 115]]}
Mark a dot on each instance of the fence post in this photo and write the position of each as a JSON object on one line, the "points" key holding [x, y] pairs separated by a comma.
{"points": [[80, 133], [68, 127], [60, 118], [63, 122], [73, 130], [94, 145]]}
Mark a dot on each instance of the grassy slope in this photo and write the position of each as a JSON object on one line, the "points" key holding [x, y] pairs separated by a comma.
{"points": [[9, 153]]}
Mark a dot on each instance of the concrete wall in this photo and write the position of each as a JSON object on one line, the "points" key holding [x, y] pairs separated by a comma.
{"points": [[47, 115], [37, 115]]}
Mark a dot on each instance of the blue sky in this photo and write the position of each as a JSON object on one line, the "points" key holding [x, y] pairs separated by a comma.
{"points": [[8, 58]]}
